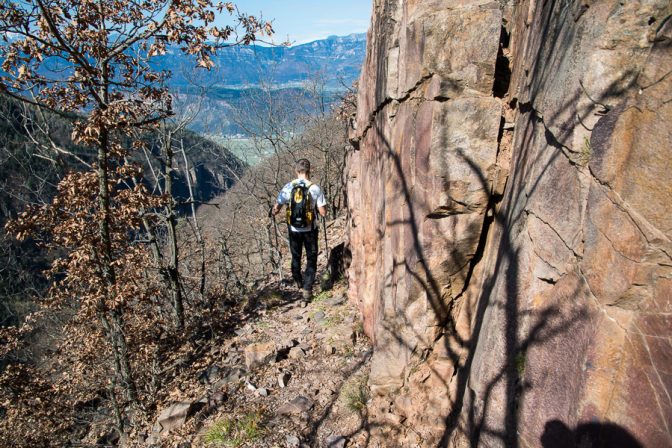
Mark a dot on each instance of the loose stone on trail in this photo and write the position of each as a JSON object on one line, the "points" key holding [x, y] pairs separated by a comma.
{"points": [[335, 441], [283, 379], [259, 354], [297, 406], [297, 353], [263, 392]]}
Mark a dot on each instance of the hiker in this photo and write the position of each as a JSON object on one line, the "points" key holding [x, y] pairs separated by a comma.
{"points": [[304, 199]]}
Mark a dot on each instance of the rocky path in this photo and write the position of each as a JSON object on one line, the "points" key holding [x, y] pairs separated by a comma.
{"points": [[295, 376]]}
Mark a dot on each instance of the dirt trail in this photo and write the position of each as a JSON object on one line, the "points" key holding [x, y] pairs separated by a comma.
{"points": [[294, 376], [320, 348]]}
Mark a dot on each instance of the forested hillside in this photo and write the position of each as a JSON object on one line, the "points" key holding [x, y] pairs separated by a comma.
{"points": [[127, 251], [36, 153]]}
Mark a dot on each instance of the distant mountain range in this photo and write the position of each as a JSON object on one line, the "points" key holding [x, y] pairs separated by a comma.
{"points": [[240, 72], [337, 59]]}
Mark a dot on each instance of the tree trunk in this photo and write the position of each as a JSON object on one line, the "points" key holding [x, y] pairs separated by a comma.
{"points": [[172, 268], [197, 229], [114, 329]]}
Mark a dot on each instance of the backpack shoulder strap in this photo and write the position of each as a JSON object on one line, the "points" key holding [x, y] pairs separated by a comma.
{"points": [[306, 183]]}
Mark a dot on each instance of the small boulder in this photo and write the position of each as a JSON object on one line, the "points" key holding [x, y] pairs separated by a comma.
{"points": [[209, 375], [176, 415], [335, 301], [297, 406], [216, 399], [283, 379], [292, 441], [230, 376], [258, 354], [287, 343], [394, 419], [335, 441], [262, 392], [297, 353], [328, 349]]}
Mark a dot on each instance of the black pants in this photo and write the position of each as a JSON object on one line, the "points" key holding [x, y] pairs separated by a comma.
{"points": [[297, 241]]}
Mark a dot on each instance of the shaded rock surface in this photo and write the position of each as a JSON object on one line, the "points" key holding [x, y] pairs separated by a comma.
{"points": [[510, 223]]}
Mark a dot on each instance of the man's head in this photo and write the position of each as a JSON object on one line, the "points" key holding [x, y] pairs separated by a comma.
{"points": [[302, 167]]}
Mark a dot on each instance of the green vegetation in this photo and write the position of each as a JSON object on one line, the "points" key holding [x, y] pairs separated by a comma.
{"points": [[359, 328], [332, 320], [232, 432], [354, 393], [586, 152], [246, 149], [273, 299], [348, 352], [321, 297]]}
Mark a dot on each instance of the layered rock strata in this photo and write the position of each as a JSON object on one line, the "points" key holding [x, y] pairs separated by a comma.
{"points": [[511, 225]]}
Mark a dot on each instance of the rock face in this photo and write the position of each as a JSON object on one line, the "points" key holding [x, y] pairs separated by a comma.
{"points": [[510, 220]]}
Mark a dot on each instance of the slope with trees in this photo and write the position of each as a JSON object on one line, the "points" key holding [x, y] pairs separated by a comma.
{"points": [[112, 296]]}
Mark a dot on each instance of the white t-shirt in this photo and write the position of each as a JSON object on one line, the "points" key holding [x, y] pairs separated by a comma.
{"points": [[315, 191]]}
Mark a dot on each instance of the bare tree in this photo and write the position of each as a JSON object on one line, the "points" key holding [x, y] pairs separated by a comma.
{"points": [[282, 126], [88, 60]]}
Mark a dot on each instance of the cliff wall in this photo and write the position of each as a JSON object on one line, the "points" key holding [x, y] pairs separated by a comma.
{"points": [[510, 221]]}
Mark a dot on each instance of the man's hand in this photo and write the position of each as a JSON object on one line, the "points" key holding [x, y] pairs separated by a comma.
{"points": [[276, 209]]}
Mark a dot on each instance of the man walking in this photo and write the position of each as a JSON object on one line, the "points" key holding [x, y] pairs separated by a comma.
{"points": [[304, 200]]}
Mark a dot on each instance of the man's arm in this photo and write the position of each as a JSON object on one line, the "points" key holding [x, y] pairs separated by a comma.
{"points": [[283, 197], [321, 202]]}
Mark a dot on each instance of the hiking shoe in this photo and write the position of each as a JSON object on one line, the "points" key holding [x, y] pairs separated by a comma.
{"points": [[307, 294]]}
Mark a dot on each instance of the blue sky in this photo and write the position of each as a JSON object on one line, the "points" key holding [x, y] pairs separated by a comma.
{"points": [[307, 20]]}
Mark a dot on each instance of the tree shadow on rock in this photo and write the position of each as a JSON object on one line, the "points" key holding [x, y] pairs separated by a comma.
{"points": [[587, 435]]}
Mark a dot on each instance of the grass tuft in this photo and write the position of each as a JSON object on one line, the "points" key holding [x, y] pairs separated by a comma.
{"points": [[355, 394], [235, 432], [585, 153], [322, 296]]}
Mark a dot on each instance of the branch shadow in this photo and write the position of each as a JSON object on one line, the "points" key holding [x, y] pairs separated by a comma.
{"points": [[500, 287]]}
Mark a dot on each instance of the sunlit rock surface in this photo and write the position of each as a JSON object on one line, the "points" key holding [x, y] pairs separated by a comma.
{"points": [[511, 221]]}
